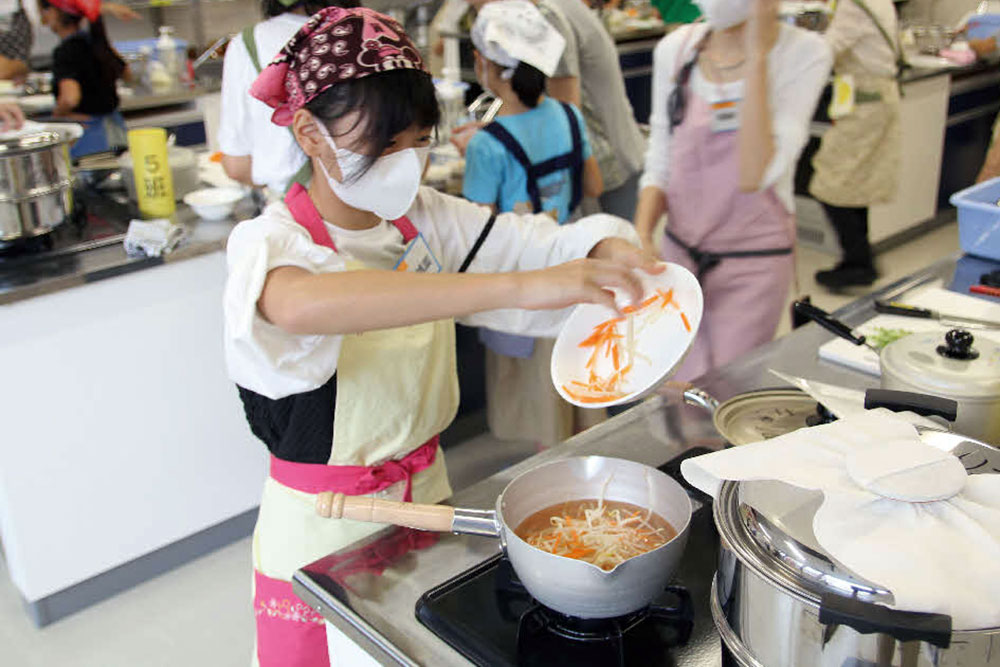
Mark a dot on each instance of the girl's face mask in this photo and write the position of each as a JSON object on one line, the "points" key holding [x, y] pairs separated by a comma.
{"points": [[387, 189], [722, 14]]}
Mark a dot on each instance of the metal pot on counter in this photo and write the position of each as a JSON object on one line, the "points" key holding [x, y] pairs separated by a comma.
{"points": [[35, 181], [779, 601], [567, 585], [957, 366]]}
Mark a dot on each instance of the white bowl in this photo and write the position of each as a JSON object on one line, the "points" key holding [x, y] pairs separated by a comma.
{"points": [[214, 203]]}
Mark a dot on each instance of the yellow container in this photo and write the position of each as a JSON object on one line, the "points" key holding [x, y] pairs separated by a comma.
{"points": [[154, 185]]}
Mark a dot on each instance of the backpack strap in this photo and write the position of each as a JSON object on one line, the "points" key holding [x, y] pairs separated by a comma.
{"points": [[576, 157], [500, 133]]}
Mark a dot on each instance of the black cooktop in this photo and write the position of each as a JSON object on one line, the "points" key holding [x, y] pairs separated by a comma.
{"points": [[486, 615]]}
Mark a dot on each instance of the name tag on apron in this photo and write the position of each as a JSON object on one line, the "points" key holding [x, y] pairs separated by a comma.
{"points": [[725, 116], [842, 101], [418, 258]]}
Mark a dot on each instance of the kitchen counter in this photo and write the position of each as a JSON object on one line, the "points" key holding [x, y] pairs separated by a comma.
{"points": [[29, 276], [378, 612]]}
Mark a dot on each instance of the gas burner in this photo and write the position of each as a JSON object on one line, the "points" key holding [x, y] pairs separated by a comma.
{"points": [[27, 246]]}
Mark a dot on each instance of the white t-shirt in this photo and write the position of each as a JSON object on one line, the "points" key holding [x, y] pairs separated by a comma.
{"points": [[269, 361], [798, 68], [245, 126]]}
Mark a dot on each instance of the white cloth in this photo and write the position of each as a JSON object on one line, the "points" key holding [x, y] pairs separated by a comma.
{"points": [[798, 67], [245, 126], [941, 556], [851, 29], [514, 31], [152, 238], [272, 362]]}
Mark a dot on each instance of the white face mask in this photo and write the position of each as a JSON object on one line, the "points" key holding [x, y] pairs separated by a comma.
{"points": [[387, 189], [722, 14]]}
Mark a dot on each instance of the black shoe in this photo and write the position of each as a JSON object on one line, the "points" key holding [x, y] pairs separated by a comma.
{"points": [[847, 275]]}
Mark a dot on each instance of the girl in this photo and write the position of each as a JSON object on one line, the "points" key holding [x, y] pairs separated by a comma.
{"points": [[255, 151], [732, 102], [534, 158], [85, 70], [340, 301]]}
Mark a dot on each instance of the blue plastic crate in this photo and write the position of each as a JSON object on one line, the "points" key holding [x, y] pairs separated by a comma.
{"points": [[979, 219], [983, 26]]}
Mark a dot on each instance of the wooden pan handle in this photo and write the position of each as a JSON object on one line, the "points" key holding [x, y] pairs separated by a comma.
{"points": [[363, 508]]}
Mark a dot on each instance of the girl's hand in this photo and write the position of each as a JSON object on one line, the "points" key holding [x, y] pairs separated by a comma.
{"points": [[11, 117], [622, 252], [580, 281], [462, 135], [762, 28]]}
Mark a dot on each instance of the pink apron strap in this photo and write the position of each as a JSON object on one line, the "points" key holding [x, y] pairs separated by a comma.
{"points": [[406, 228], [301, 206], [289, 632]]}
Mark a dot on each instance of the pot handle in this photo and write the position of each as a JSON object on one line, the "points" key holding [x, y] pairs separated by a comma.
{"points": [[867, 617], [331, 505], [924, 405]]}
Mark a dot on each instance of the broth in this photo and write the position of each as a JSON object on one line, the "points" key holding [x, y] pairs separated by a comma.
{"points": [[604, 535]]}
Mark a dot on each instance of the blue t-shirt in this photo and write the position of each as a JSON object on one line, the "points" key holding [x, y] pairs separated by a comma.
{"points": [[494, 176]]}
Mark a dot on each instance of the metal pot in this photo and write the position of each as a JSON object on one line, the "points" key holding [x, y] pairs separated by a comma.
{"points": [[35, 182], [955, 366], [778, 599], [569, 586], [758, 415]]}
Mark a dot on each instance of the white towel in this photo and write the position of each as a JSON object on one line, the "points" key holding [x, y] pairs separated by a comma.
{"points": [[152, 238], [895, 511]]}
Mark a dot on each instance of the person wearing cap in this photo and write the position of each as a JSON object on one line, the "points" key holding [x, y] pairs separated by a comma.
{"points": [[255, 151], [732, 102], [535, 157], [340, 301], [85, 71]]}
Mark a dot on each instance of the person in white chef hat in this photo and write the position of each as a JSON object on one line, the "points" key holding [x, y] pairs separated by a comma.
{"points": [[534, 158]]}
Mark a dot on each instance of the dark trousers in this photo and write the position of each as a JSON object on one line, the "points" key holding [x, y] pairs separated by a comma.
{"points": [[851, 225]]}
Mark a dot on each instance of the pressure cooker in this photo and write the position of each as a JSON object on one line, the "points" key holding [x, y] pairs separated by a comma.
{"points": [[35, 181]]}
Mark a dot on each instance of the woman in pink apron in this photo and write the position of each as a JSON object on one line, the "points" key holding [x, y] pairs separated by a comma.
{"points": [[341, 300], [732, 101]]}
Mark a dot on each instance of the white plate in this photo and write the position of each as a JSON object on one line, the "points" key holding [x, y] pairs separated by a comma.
{"points": [[664, 341]]}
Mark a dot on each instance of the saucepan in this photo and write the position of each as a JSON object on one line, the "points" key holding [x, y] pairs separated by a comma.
{"points": [[956, 366], [569, 586]]}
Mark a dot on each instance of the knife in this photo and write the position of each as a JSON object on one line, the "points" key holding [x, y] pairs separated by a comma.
{"points": [[906, 310]]}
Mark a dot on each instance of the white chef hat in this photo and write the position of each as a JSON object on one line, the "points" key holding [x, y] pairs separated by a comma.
{"points": [[509, 32]]}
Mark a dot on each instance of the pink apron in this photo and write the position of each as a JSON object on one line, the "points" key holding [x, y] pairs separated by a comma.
{"points": [[289, 632], [707, 212]]}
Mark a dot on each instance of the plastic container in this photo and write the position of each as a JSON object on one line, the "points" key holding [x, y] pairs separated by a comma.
{"points": [[168, 52], [183, 172], [154, 183], [979, 219]]}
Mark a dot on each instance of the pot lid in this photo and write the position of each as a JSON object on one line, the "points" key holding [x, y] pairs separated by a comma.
{"points": [[768, 524], [957, 364], [765, 414], [30, 141]]}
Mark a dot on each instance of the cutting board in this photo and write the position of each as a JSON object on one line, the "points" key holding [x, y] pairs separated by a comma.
{"points": [[839, 351]]}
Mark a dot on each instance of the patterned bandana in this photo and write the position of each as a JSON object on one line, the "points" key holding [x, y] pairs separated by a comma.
{"points": [[334, 46]]}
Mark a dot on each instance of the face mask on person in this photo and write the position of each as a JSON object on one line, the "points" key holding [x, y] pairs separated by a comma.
{"points": [[387, 189], [722, 14]]}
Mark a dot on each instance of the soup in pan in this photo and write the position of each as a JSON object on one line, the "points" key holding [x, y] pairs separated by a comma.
{"points": [[602, 533]]}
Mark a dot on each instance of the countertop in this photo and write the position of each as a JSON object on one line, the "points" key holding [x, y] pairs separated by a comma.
{"points": [[28, 276], [379, 614]]}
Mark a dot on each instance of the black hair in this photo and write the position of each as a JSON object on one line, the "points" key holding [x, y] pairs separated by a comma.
{"points": [[111, 66], [389, 102], [272, 8], [529, 84]]}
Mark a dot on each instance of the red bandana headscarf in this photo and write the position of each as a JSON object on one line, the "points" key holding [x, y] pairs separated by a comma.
{"points": [[89, 9], [334, 46]]}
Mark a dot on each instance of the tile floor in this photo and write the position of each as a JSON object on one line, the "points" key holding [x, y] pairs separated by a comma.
{"points": [[198, 614]]}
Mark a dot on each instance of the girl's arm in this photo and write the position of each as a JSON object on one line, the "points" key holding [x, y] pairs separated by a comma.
{"points": [[301, 302], [67, 97], [593, 182], [652, 204], [238, 167], [756, 134]]}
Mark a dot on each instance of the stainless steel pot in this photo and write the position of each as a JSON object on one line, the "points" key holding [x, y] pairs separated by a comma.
{"points": [[35, 182], [757, 415], [567, 585], [778, 600], [956, 366]]}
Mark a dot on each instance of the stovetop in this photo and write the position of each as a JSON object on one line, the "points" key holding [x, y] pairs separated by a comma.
{"points": [[486, 614]]}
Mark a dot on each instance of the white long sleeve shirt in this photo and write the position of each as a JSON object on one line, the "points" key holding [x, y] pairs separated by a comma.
{"points": [[272, 362], [798, 67]]}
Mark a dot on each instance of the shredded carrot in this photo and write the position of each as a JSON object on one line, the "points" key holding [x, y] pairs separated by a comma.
{"points": [[215, 157], [684, 318]]}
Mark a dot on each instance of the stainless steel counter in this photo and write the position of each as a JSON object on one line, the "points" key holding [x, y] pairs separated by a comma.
{"points": [[379, 612], [31, 276]]}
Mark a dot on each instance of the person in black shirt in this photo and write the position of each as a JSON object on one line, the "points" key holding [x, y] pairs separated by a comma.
{"points": [[84, 71]]}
